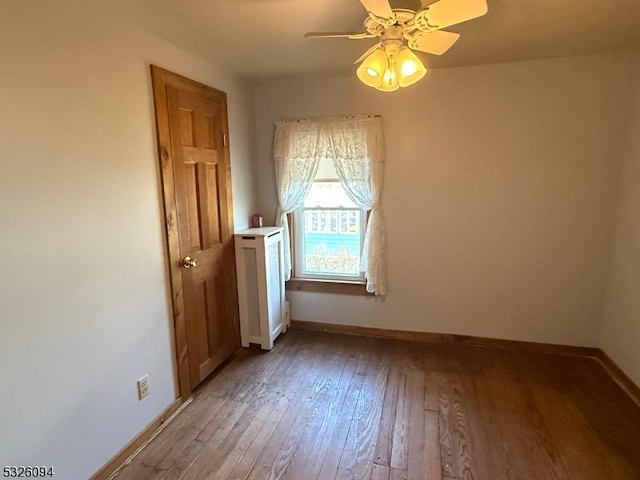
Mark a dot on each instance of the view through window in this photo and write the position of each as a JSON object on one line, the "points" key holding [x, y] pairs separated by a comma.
{"points": [[329, 230]]}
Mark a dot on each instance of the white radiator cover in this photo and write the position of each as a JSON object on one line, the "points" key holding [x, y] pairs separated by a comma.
{"points": [[260, 268]]}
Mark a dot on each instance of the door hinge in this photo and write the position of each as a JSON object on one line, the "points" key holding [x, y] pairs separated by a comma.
{"points": [[224, 140]]}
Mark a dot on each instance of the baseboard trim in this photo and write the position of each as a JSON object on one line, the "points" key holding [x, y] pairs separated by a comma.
{"points": [[619, 376], [615, 372], [428, 337], [130, 450]]}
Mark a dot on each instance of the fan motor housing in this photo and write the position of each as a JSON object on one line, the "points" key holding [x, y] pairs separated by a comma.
{"points": [[400, 16]]}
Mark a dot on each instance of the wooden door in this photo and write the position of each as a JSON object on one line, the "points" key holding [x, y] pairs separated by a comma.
{"points": [[192, 140]]}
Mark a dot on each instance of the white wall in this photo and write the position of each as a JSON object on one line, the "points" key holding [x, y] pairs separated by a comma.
{"points": [[499, 195], [621, 327], [84, 307]]}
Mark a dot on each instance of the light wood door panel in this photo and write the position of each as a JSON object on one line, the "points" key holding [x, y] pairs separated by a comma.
{"points": [[199, 223]]}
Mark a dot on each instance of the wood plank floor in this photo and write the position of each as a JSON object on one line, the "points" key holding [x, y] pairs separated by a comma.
{"points": [[331, 406]]}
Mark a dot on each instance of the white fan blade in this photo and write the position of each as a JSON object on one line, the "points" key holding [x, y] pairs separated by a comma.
{"points": [[378, 8], [445, 13], [366, 54], [350, 35], [436, 42]]}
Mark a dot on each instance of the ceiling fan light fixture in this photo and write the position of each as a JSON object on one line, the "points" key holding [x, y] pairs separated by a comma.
{"points": [[411, 69], [371, 71], [391, 64], [390, 67]]}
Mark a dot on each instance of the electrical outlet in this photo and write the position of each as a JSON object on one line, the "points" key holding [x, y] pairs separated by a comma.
{"points": [[143, 387]]}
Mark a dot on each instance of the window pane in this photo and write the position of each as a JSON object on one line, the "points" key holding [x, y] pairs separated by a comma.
{"points": [[331, 252], [328, 194], [329, 233]]}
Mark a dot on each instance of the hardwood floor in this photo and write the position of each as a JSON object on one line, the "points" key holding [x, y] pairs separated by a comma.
{"points": [[331, 406]]}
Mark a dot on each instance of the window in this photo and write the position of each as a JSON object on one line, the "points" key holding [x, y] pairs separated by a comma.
{"points": [[314, 160], [329, 232]]}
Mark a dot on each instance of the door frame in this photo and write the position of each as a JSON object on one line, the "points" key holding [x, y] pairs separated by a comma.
{"points": [[161, 79]]}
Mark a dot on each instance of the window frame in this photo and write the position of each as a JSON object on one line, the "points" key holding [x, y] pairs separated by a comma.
{"points": [[350, 286], [297, 245]]}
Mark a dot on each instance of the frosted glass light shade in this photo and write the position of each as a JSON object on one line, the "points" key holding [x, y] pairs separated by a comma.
{"points": [[372, 69], [409, 67], [390, 68], [389, 78]]}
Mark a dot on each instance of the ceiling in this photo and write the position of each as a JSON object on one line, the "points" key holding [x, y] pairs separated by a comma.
{"points": [[258, 39]]}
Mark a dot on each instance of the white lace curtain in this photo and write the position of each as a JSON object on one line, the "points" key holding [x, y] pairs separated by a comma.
{"points": [[356, 147]]}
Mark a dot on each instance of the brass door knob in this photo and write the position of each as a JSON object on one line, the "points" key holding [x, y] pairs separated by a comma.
{"points": [[189, 262]]}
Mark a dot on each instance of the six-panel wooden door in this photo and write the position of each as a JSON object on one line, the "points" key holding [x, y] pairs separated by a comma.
{"points": [[202, 255]]}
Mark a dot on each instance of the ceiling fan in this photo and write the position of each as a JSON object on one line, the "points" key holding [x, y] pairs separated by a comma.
{"points": [[391, 64]]}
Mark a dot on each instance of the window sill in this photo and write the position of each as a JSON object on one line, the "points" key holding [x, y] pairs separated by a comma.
{"points": [[323, 286]]}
